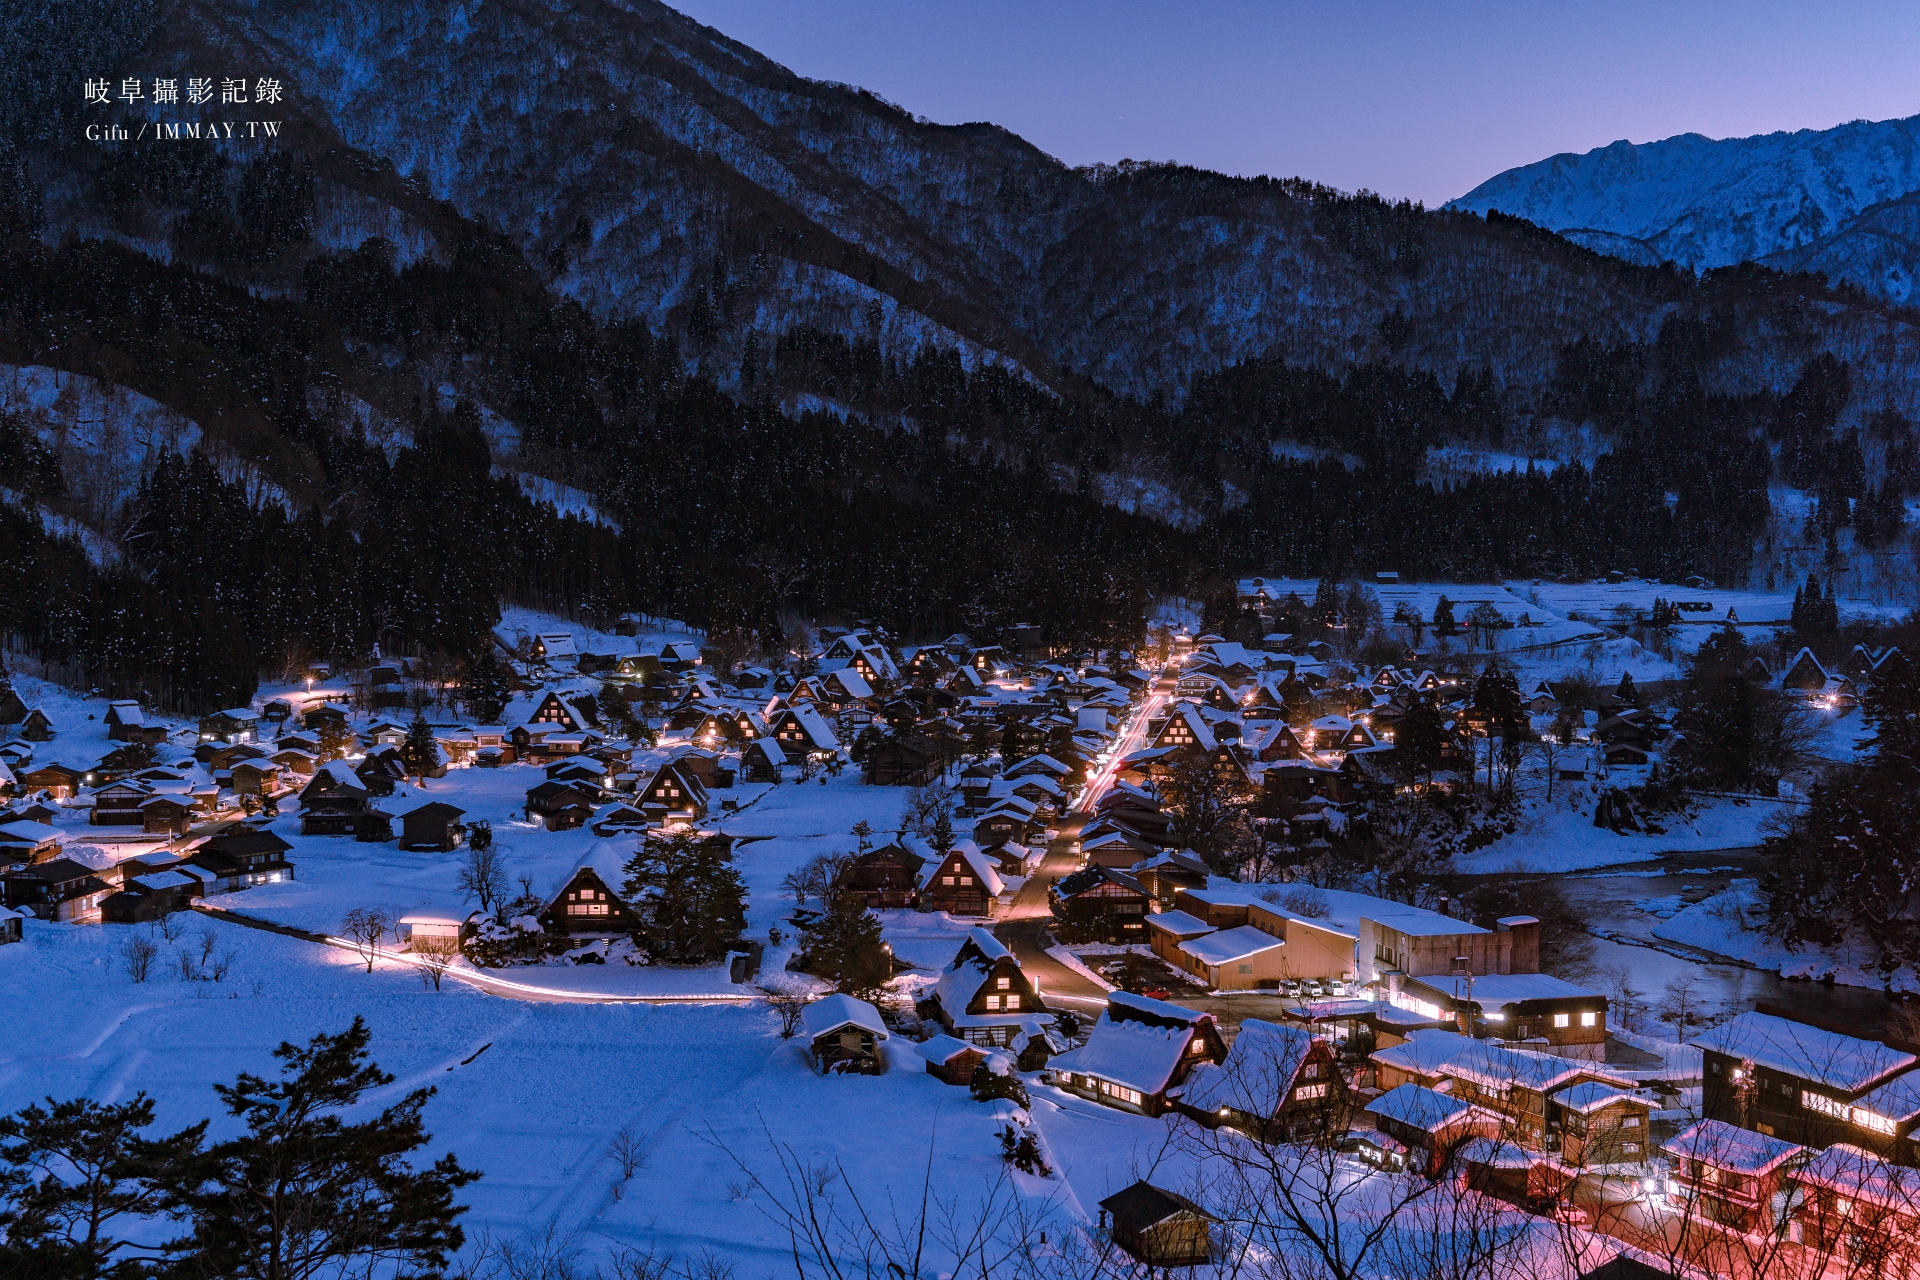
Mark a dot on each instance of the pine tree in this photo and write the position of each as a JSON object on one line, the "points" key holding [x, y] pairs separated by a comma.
{"points": [[846, 948], [72, 1173], [940, 836], [1444, 625], [335, 740], [420, 752], [1421, 737], [304, 1192], [691, 901], [1625, 691], [485, 689]]}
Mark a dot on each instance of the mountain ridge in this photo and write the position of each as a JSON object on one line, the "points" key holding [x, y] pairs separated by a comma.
{"points": [[1786, 199]]}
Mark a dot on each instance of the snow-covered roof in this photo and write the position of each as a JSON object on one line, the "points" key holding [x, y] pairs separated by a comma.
{"points": [[1724, 1146], [1259, 1070], [1178, 922], [28, 832], [1421, 1107], [1497, 1067], [427, 915], [159, 880], [1424, 1052], [1861, 1175], [1897, 1099], [1590, 1095], [942, 1049], [1224, 946], [830, 1013], [1135, 1054], [1498, 990], [1498, 1153], [990, 947], [1826, 1057]]}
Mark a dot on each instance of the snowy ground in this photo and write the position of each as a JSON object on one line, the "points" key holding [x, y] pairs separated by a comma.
{"points": [[1561, 836], [1733, 923]]}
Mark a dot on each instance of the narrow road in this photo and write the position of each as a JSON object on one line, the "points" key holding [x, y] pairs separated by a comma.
{"points": [[1025, 923]]}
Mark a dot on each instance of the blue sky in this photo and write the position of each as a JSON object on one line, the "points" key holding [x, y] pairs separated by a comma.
{"points": [[1411, 99]]}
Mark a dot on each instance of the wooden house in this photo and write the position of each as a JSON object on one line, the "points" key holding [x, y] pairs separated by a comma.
{"points": [[59, 781], [35, 727], [258, 777], [143, 898], [585, 905], [951, 1061], [117, 804], [1805, 673], [240, 724], [912, 761], [166, 815], [1099, 904], [1138, 1050], [887, 878], [1009, 819], [1531, 1010], [1857, 1208], [126, 722], [1731, 1175], [1164, 875], [985, 998], [618, 818], [61, 889], [800, 730], [674, 791], [963, 883], [762, 761], [1430, 1126], [844, 1036], [25, 840], [1277, 1084], [1809, 1084], [1159, 1228], [318, 715], [559, 806], [241, 859], [10, 926], [335, 803], [434, 826]]}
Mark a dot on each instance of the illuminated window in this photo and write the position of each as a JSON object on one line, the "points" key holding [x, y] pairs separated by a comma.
{"points": [[1013, 1002], [1306, 1092], [1589, 1019], [1560, 1020], [1003, 983]]}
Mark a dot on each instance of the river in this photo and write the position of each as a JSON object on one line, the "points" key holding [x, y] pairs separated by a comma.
{"points": [[1608, 898]]}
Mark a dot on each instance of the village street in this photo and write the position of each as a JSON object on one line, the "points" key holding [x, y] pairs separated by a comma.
{"points": [[1026, 922]]}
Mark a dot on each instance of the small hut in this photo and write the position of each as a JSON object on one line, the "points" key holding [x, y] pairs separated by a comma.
{"points": [[844, 1036], [1161, 1228]]}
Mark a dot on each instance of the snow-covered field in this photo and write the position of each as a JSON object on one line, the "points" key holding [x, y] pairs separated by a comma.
{"points": [[1733, 923]]}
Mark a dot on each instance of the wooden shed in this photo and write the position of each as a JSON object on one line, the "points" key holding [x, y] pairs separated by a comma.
{"points": [[950, 1060], [1161, 1228], [844, 1036]]}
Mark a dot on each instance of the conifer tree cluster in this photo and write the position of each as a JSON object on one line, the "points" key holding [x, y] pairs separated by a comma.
{"points": [[690, 899], [1815, 616], [306, 1188]]}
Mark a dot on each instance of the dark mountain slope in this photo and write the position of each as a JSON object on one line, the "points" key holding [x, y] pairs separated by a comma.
{"points": [[650, 167]]}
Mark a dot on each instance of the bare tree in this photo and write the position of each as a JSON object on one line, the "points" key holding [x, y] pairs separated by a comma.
{"points": [[629, 1152], [1680, 1003], [366, 926], [138, 951], [483, 876], [172, 924], [921, 810], [789, 1005]]}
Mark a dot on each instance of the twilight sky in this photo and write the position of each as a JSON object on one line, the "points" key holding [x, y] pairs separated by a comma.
{"points": [[1421, 99]]}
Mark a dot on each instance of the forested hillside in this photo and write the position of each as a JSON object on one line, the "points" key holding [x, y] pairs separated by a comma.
{"points": [[793, 352]]}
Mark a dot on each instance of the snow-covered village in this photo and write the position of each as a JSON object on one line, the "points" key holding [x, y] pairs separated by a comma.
{"points": [[720, 641]]}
